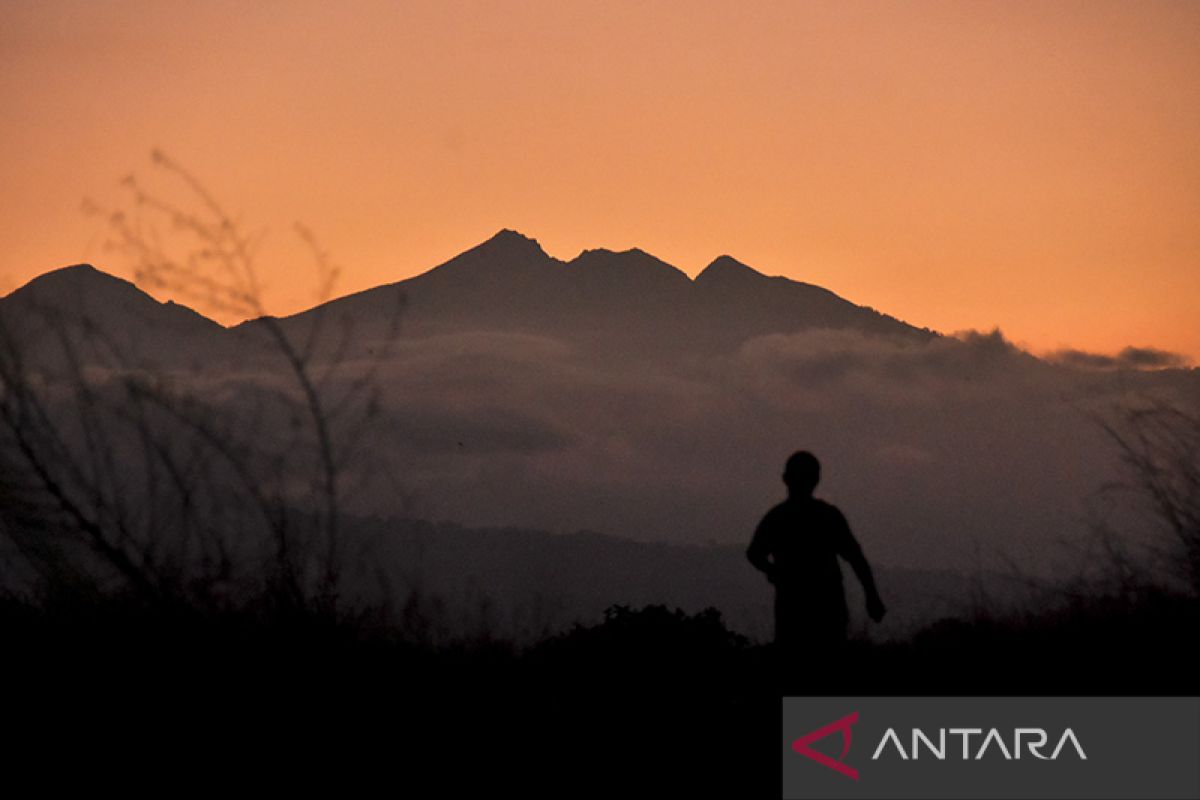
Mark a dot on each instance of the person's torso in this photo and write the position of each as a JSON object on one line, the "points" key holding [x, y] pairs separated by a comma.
{"points": [[805, 536]]}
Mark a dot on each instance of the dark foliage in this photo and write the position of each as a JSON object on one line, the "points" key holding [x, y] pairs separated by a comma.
{"points": [[648, 700]]}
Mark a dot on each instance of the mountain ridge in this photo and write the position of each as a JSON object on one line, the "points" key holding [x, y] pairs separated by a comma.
{"points": [[492, 261], [623, 303]]}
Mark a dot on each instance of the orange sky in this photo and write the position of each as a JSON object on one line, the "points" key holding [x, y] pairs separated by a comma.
{"points": [[1030, 165]]}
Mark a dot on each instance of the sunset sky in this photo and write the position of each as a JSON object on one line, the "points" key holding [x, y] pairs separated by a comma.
{"points": [[959, 165]]}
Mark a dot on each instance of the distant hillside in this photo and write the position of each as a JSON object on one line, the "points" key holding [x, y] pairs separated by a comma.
{"points": [[527, 583]]}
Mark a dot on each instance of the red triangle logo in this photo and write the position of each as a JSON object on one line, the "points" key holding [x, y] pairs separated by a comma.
{"points": [[801, 745]]}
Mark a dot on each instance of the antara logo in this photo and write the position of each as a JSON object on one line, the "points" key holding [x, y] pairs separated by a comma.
{"points": [[1034, 740], [801, 745]]}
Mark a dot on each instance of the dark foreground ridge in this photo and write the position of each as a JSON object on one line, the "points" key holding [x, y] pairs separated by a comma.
{"points": [[647, 700]]}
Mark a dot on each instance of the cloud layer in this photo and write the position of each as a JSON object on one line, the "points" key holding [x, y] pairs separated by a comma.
{"points": [[941, 453], [1129, 358]]}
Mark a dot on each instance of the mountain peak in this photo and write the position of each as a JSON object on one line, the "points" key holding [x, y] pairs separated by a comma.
{"points": [[73, 279], [511, 241], [74, 268], [631, 263], [65, 298], [507, 253], [727, 268]]}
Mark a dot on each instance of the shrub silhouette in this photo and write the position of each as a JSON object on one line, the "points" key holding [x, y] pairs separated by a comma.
{"points": [[1159, 443], [121, 477]]}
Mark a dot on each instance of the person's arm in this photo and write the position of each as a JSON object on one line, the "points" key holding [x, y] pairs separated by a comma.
{"points": [[759, 551], [852, 552]]}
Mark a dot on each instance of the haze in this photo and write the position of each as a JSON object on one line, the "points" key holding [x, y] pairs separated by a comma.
{"points": [[961, 165]]}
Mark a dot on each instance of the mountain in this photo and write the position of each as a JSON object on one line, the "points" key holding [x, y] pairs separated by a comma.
{"points": [[626, 304], [79, 312]]}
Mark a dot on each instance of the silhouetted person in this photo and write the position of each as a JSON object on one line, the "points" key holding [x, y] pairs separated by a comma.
{"points": [[797, 545]]}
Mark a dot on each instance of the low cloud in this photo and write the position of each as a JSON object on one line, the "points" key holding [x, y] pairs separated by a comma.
{"points": [[937, 449], [1142, 358]]}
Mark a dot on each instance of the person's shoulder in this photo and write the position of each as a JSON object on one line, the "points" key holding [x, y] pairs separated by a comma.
{"points": [[828, 509], [776, 510], [770, 525]]}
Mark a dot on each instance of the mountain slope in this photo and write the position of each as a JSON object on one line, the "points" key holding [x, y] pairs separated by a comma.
{"points": [[624, 303], [621, 304], [79, 312]]}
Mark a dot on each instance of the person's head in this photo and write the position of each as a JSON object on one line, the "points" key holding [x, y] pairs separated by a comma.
{"points": [[802, 473]]}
